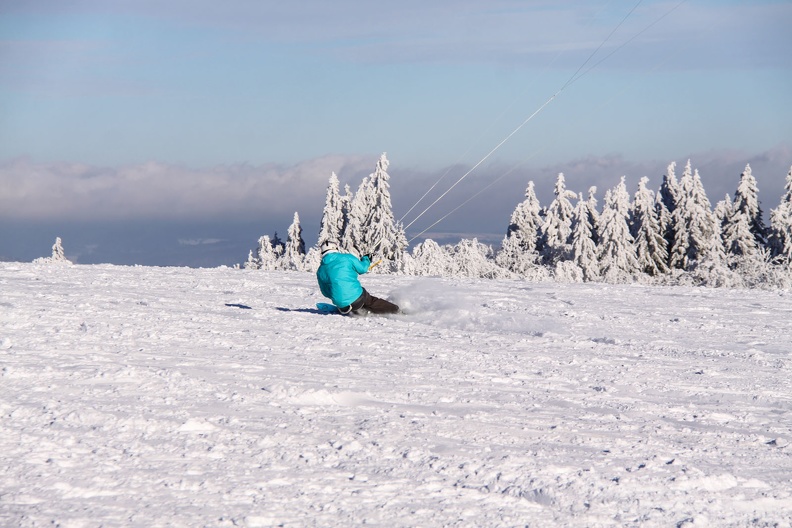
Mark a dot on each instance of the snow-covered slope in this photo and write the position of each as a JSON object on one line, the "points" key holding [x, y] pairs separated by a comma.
{"points": [[168, 396]]}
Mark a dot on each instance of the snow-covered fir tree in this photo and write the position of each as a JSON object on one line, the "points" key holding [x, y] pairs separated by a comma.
{"points": [[746, 202], [263, 257], [666, 204], [294, 252], [616, 251], [583, 248], [723, 211], [382, 237], [312, 259], [664, 223], [557, 224], [712, 267], [781, 222], [470, 258], [525, 221], [650, 245], [593, 213], [251, 262], [705, 239], [267, 257], [331, 226], [693, 222], [346, 207], [716, 250], [680, 220], [669, 188], [353, 240], [277, 244], [518, 250], [573, 243], [738, 240], [429, 259], [58, 255], [514, 258]]}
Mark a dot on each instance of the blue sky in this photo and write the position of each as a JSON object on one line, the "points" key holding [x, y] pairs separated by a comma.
{"points": [[216, 121]]}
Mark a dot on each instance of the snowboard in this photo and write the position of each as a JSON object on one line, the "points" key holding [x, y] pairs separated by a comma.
{"points": [[327, 308], [330, 309]]}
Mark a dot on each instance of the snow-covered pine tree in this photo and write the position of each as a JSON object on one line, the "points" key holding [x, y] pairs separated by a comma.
{"points": [[429, 259], [294, 252], [583, 248], [513, 258], [593, 213], [353, 240], [382, 237], [58, 255], [650, 245], [716, 251], [693, 222], [263, 257], [265, 254], [278, 251], [669, 188], [667, 199], [712, 268], [525, 221], [616, 251], [557, 223], [277, 244], [680, 220], [664, 221], [723, 210], [703, 226], [251, 262], [738, 240], [470, 258], [346, 207], [312, 259], [781, 222], [518, 250], [332, 224], [746, 201]]}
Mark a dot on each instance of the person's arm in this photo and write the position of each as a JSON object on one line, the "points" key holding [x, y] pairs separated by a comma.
{"points": [[362, 265]]}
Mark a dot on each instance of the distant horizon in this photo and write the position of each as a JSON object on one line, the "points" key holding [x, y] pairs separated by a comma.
{"points": [[215, 241]]}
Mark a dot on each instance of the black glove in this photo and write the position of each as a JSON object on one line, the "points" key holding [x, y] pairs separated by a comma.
{"points": [[369, 256]]}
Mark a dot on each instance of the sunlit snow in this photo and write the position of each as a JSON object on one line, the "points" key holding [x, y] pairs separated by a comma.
{"points": [[217, 397]]}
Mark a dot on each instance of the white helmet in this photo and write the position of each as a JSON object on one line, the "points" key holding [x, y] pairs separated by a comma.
{"points": [[328, 247]]}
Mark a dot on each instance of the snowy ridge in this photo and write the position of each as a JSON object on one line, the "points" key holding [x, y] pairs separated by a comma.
{"points": [[149, 397]]}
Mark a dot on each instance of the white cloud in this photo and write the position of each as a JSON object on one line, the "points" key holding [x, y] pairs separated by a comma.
{"points": [[466, 30], [199, 241], [73, 191], [230, 193]]}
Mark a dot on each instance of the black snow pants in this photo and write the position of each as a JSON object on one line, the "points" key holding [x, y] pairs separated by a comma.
{"points": [[370, 303]]}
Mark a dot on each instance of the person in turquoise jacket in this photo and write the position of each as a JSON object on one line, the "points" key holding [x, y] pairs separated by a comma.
{"points": [[338, 280]]}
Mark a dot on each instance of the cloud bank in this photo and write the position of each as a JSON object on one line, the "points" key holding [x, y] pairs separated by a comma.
{"points": [[157, 191], [158, 214], [152, 190]]}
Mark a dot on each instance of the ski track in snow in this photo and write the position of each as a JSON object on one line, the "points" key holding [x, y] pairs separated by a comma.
{"points": [[148, 396]]}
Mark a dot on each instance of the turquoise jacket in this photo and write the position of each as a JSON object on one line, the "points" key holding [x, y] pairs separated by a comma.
{"points": [[338, 277]]}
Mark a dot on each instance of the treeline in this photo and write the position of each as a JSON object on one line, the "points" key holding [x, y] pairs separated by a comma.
{"points": [[671, 236]]}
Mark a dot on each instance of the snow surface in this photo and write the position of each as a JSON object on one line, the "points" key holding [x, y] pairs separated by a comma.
{"points": [[215, 397]]}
